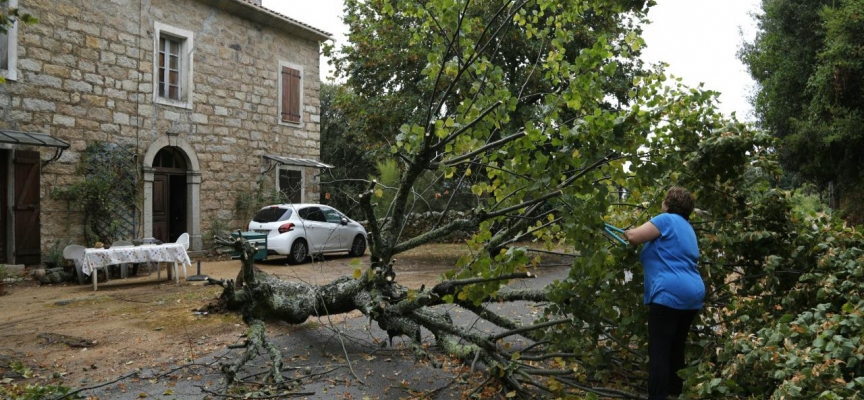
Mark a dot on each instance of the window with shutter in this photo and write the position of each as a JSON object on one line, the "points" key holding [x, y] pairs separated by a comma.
{"points": [[4, 51], [291, 95]]}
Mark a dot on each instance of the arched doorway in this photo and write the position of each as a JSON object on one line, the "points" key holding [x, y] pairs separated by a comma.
{"points": [[172, 185], [169, 194]]}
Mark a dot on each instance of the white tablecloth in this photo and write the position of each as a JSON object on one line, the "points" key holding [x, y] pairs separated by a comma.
{"points": [[169, 252]]}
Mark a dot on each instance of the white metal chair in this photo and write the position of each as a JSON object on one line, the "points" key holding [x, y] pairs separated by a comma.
{"points": [[124, 268], [75, 253], [184, 240]]}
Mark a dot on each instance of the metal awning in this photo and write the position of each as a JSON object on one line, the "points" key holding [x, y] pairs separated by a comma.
{"points": [[31, 139], [273, 161], [34, 139]]}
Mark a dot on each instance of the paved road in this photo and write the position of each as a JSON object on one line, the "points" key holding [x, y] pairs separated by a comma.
{"points": [[317, 349]]}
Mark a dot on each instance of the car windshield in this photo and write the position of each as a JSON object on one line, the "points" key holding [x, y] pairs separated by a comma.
{"points": [[272, 214]]}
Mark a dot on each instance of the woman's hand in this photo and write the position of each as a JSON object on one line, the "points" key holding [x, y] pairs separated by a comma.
{"points": [[644, 233]]}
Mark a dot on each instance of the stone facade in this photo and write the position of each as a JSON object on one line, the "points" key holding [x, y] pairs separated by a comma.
{"points": [[85, 73]]}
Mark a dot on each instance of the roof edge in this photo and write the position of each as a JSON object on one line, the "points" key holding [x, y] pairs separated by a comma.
{"points": [[265, 16]]}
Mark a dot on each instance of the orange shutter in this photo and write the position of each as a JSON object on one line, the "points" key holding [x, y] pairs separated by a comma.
{"points": [[291, 95]]}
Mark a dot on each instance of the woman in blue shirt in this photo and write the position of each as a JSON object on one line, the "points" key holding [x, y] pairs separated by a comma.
{"points": [[674, 290]]}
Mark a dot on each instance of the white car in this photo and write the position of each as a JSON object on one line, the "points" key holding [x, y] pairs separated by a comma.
{"points": [[301, 230]]}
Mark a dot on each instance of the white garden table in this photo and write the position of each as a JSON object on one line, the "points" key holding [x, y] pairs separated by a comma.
{"points": [[174, 253]]}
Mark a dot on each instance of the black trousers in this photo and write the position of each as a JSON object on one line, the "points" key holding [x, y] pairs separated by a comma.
{"points": [[667, 332]]}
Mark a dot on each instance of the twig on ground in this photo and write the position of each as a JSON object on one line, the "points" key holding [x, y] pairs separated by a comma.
{"points": [[247, 396], [74, 392]]}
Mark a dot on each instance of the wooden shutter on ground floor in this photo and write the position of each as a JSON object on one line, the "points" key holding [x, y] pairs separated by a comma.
{"points": [[4, 181], [291, 86], [26, 208]]}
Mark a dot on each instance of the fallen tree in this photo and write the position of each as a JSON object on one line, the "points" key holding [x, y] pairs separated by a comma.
{"points": [[375, 293]]}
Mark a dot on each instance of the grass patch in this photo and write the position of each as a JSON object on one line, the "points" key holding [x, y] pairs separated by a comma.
{"points": [[194, 294], [175, 312], [183, 322]]}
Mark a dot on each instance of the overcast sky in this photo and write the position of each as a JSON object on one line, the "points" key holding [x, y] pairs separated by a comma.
{"points": [[697, 38]]}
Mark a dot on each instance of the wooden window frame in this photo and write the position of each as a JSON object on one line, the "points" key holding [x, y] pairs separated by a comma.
{"points": [[170, 65], [161, 81], [290, 94], [10, 70]]}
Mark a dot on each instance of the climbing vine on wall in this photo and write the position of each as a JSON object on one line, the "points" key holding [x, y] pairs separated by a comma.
{"points": [[107, 194]]}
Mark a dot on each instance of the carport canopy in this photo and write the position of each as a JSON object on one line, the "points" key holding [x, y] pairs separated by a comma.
{"points": [[31, 139], [273, 161], [34, 139]]}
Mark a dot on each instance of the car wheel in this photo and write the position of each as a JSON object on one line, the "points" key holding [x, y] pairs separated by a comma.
{"points": [[358, 246], [299, 252]]}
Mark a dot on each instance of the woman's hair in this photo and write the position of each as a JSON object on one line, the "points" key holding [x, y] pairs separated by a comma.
{"points": [[679, 201]]}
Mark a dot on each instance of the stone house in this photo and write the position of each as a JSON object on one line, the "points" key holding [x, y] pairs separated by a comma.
{"points": [[210, 101]]}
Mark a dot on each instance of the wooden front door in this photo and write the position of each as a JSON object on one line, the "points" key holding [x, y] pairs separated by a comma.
{"points": [[176, 206], [160, 207], [169, 206], [4, 203], [169, 194], [26, 208]]}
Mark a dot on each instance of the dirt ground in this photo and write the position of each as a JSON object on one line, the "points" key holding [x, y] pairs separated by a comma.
{"points": [[70, 335]]}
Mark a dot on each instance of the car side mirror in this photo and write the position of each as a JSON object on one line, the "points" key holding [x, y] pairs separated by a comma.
{"points": [[344, 221]]}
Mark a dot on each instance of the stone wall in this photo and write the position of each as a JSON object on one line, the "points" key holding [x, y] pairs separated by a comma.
{"points": [[86, 74]]}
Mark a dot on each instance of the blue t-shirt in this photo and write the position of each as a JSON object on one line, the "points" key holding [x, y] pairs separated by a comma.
{"points": [[671, 278]]}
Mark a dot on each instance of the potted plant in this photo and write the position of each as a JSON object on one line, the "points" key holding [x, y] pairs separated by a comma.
{"points": [[54, 256]]}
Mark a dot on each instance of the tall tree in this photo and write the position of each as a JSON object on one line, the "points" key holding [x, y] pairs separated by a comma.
{"points": [[388, 69], [807, 60], [353, 162]]}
